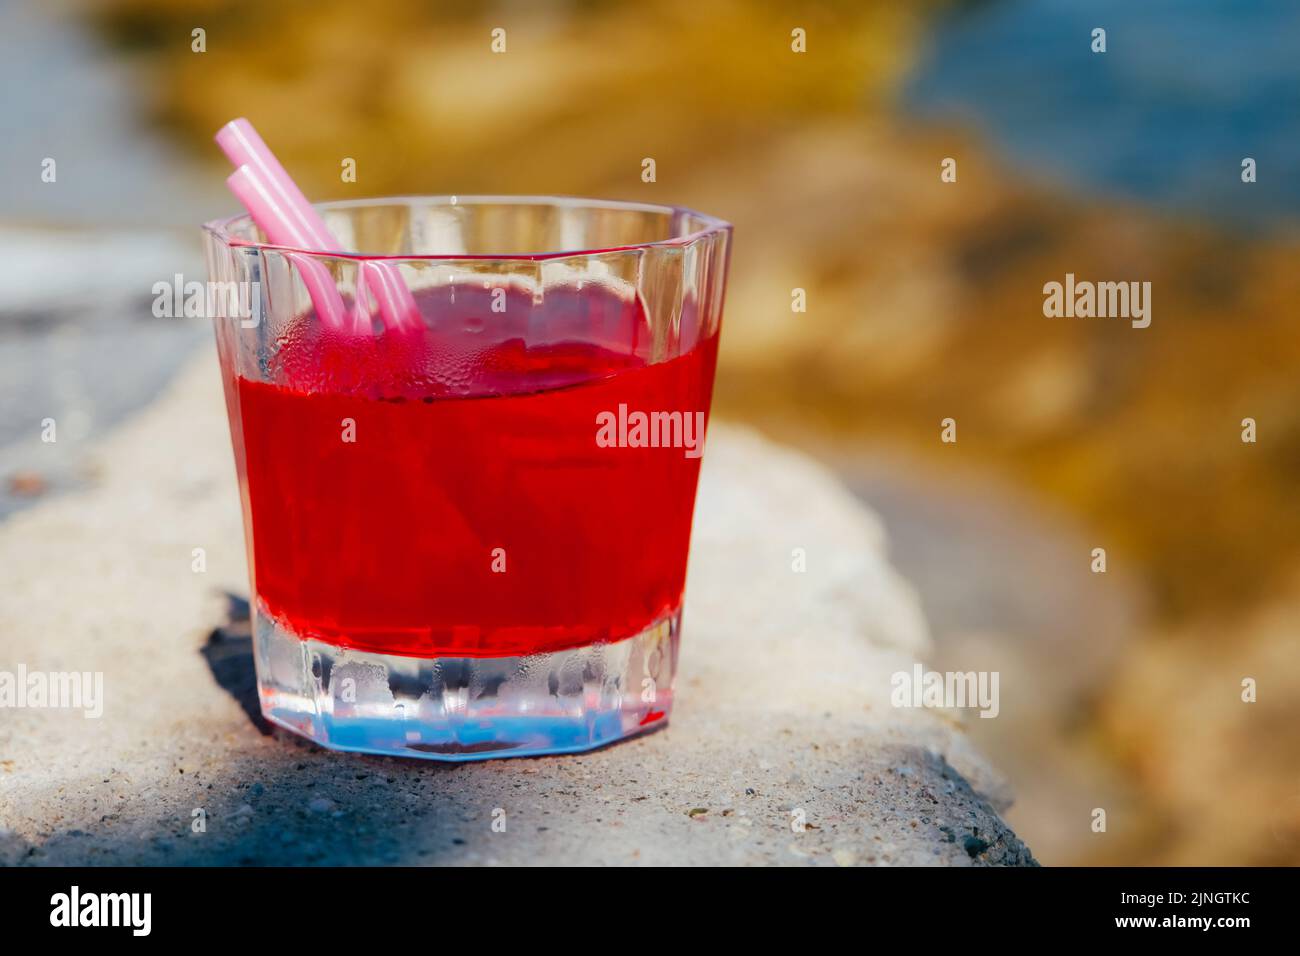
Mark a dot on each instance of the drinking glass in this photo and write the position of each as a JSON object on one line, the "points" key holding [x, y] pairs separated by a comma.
{"points": [[467, 528]]}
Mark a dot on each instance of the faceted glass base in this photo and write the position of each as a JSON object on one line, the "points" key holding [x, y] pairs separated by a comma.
{"points": [[466, 708]]}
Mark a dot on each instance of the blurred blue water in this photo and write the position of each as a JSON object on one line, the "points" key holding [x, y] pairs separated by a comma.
{"points": [[1185, 91]]}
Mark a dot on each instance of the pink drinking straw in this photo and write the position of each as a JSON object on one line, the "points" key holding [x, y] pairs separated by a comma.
{"points": [[279, 198], [273, 220]]}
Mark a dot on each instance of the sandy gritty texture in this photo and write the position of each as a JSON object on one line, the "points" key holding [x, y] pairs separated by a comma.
{"points": [[782, 712]]}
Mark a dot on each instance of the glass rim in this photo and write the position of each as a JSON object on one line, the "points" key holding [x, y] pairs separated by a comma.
{"points": [[710, 225]]}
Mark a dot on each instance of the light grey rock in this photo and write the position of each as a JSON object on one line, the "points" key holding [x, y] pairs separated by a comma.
{"points": [[782, 711]]}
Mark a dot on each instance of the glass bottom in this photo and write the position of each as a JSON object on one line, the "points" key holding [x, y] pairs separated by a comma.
{"points": [[466, 708]]}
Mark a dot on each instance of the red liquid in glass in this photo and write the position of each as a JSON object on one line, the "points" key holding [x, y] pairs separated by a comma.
{"points": [[475, 435]]}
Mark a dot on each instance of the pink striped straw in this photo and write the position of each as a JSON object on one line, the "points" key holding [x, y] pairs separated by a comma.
{"points": [[281, 210]]}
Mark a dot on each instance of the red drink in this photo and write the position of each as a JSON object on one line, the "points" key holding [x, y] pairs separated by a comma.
{"points": [[474, 512], [468, 515]]}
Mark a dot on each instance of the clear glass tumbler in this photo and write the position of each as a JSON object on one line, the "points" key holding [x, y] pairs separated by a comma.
{"points": [[467, 523]]}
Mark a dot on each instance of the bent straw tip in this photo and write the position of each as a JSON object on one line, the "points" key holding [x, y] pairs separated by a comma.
{"points": [[250, 191], [237, 139], [238, 124]]}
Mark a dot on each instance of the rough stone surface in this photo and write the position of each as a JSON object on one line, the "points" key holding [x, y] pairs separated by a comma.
{"points": [[782, 712]]}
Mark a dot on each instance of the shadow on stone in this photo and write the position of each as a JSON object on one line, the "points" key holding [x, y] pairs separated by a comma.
{"points": [[972, 821], [290, 803], [229, 653], [14, 850]]}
